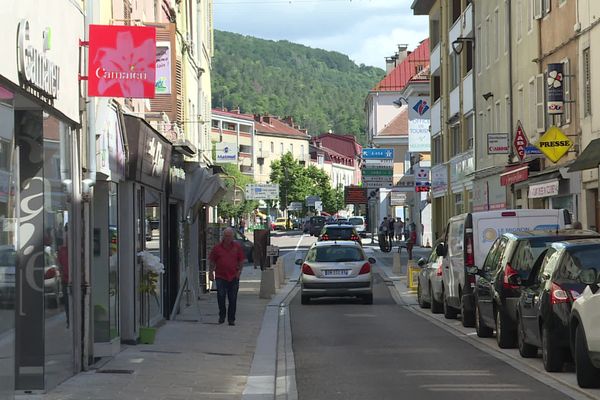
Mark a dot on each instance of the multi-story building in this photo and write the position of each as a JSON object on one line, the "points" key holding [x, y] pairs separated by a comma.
{"points": [[275, 137], [231, 127], [339, 156]]}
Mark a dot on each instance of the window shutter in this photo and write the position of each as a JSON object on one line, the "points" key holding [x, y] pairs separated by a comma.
{"points": [[567, 90], [587, 84], [540, 109], [179, 91], [537, 9]]}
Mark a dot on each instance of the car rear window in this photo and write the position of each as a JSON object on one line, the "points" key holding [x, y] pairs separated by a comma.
{"points": [[576, 260], [527, 252], [336, 254], [339, 233], [356, 221], [318, 220]]}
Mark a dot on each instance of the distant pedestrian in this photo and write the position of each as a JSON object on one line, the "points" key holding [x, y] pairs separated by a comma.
{"points": [[398, 227], [383, 227], [242, 225], [391, 223], [226, 261], [412, 239], [406, 229]]}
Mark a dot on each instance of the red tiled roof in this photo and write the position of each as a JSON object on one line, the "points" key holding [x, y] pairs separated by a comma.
{"points": [[398, 126], [342, 144], [225, 113], [272, 125], [397, 79]]}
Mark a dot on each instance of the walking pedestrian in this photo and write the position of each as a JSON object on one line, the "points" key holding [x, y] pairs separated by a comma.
{"points": [[406, 230], [412, 239], [391, 223], [398, 227], [226, 261], [242, 225]]}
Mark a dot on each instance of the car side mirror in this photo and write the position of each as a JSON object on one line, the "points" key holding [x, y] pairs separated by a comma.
{"points": [[299, 261], [372, 260], [588, 276], [440, 249], [515, 280], [421, 262]]}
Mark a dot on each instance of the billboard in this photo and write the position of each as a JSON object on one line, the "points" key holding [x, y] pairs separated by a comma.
{"points": [[122, 61]]}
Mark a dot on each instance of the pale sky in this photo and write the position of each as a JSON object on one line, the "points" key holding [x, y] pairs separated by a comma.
{"points": [[367, 31]]}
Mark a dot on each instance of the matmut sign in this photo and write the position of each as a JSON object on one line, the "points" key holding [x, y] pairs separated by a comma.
{"points": [[122, 61]]}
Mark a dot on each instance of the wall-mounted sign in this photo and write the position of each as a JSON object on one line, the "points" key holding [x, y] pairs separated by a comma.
{"points": [[226, 153], [355, 195], [555, 88], [554, 144], [419, 138], [520, 141], [398, 199], [543, 189], [163, 68], [439, 180], [497, 143], [422, 183], [122, 61], [515, 175], [34, 67]]}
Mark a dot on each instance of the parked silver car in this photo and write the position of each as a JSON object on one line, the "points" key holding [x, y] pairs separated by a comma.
{"points": [[429, 289], [336, 268]]}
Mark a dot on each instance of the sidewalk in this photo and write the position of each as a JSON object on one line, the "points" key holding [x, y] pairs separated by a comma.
{"points": [[193, 357]]}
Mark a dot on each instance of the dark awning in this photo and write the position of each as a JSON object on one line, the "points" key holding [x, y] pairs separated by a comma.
{"points": [[589, 158]]}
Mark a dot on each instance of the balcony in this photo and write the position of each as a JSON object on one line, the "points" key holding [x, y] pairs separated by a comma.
{"points": [[263, 154], [467, 93], [436, 118], [462, 27], [454, 101], [434, 59], [246, 169]]}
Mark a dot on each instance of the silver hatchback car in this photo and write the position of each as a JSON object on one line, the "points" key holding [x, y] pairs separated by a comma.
{"points": [[336, 269]]}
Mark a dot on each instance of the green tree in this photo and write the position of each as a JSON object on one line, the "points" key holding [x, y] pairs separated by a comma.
{"points": [[227, 208]]}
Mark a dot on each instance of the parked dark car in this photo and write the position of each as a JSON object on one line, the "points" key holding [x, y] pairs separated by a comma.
{"points": [[246, 244], [497, 290], [429, 289], [316, 225], [339, 232], [544, 308]]}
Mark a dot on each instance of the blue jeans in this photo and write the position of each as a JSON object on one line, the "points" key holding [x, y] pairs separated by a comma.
{"points": [[229, 290]]}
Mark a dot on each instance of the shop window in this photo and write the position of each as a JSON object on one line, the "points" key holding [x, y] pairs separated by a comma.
{"points": [[458, 204], [152, 296]]}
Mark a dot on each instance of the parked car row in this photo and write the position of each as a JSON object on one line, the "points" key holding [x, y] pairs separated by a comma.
{"points": [[536, 288]]}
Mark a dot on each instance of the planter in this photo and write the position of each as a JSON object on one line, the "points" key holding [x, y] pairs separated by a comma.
{"points": [[147, 335]]}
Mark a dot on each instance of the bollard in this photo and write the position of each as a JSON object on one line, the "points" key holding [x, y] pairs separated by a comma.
{"points": [[276, 273], [267, 283], [396, 267], [281, 271], [412, 275]]}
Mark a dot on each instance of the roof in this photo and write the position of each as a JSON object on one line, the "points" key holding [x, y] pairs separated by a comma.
{"points": [[398, 126], [578, 243], [326, 243], [271, 125], [412, 65], [232, 114], [341, 144]]}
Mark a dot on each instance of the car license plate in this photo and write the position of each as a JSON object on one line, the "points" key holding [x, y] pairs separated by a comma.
{"points": [[335, 272]]}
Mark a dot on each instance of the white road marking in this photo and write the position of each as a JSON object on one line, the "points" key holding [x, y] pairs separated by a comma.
{"points": [[360, 315], [447, 373], [299, 241]]}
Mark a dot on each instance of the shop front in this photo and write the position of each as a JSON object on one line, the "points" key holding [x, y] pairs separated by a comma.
{"points": [[146, 210], [39, 197]]}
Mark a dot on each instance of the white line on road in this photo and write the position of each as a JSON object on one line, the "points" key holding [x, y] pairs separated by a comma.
{"points": [[299, 241]]}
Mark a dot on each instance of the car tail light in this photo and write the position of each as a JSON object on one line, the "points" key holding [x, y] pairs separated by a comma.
{"points": [[470, 252], [509, 214], [365, 269], [50, 273], [508, 272], [354, 237], [307, 270], [558, 295], [325, 237], [438, 272]]}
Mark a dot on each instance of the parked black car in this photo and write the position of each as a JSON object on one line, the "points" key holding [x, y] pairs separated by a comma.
{"points": [[316, 224], [246, 244], [544, 307], [497, 290]]}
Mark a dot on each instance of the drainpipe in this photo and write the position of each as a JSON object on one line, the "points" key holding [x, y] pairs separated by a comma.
{"points": [[511, 153]]}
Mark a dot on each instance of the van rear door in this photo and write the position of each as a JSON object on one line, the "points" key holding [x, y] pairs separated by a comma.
{"points": [[488, 227]]}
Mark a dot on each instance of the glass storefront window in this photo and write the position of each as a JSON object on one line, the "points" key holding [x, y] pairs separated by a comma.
{"points": [[152, 244], [113, 259]]}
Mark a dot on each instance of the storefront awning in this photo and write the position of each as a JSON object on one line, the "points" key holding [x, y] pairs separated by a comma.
{"points": [[589, 157], [202, 188]]}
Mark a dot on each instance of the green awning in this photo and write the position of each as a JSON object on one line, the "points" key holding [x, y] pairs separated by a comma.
{"points": [[589, 158]]}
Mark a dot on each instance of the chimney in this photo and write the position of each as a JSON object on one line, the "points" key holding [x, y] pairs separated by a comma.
{"points": [[402, 53], [389, 64], [305, 131], [237, 110], [266, 119], [289, 120], [258, 118]]}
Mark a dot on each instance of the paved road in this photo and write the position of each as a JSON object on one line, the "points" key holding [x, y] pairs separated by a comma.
{"points": [[347, 350]]}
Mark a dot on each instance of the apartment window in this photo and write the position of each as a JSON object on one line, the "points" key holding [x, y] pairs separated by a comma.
{"points": [[434, 32], [490, 119], [260, 145], [455, 139], [438, 156], [498, 115], [546, 7], [485, 52], [567, 88], [496, 43], [540, 106], [456, 10], [458, 204], [478, 49], [281, 148], [454, 70], [292, 148], [469, 59], [529, 16], [532, 98], [272, 147], [521, 102], [215, 124], [437, 88], [302, 149], [587, 85], [470, 127]]}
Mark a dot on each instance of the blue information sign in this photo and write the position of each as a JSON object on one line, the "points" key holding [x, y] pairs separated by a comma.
{"points": [[531, 150], [379, 154]]}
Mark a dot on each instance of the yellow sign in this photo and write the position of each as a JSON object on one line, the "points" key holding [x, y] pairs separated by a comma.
{"points": [[554, 144]]}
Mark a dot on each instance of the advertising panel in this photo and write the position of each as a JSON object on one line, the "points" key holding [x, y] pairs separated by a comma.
{"points": [[555, 88], [163, 68], [226, 153], [122, 61], [497, 143], [419, 138]]}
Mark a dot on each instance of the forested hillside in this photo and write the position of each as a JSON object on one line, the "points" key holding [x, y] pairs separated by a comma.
{"points": [[321, 89]]}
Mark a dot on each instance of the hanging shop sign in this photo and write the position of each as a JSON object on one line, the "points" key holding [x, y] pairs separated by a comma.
{"points": [[422, 183], [163, 68], [520, 141], [555, 88], [554, 144], [439, 180], [226, 153], [35, 68], [543, 189], [514, 175], [497, 143], [122, 61], [419, 138]]}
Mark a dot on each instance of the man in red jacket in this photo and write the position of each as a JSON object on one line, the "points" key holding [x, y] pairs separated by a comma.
{"points": [[226, 261]]}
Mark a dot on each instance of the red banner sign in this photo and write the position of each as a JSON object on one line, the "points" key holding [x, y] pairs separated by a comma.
{"points": [[122, 61], [520, 141]]}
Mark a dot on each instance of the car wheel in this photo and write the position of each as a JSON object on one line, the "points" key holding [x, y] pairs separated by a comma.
{"points": [[466, 318], [588, 376], [553, 356], [506, 338], [368, 299], [422, 303], [436, 306], [449, 312], [526, 350], [480, 327], [304, 299]]}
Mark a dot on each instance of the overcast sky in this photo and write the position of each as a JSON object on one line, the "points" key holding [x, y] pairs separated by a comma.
{"points": [[365, 30]]}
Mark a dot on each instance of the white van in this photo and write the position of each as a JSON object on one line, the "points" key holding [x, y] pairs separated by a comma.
{"points": [[467, 241]]}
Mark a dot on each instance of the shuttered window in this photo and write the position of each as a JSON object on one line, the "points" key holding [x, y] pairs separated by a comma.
{"points": [[540, 110], [587, 84], [566, 117], [179, 91]]}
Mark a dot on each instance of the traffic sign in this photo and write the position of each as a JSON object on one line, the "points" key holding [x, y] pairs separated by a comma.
{"points": [[520, 141], [272, 251], [377, 172], [378, 153], [377, 184], [262, 192], [369, 162], [554, 144], [310, 200], [319, 206], [295, 206]]}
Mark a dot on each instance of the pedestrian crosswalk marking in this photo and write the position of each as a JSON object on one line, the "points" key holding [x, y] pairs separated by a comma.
{"points": [[447, 372]]}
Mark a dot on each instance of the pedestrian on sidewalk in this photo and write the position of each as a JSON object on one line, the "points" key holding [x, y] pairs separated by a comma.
{"points": [[391, 222], [398, 227], [226, 261], [412, 239]]}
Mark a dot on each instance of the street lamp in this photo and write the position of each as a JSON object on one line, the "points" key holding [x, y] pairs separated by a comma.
{"points": [[459, 43]]}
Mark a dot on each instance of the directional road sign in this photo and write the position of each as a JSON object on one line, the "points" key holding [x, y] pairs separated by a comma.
{"points": [[262, 192], [378, 153]]}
